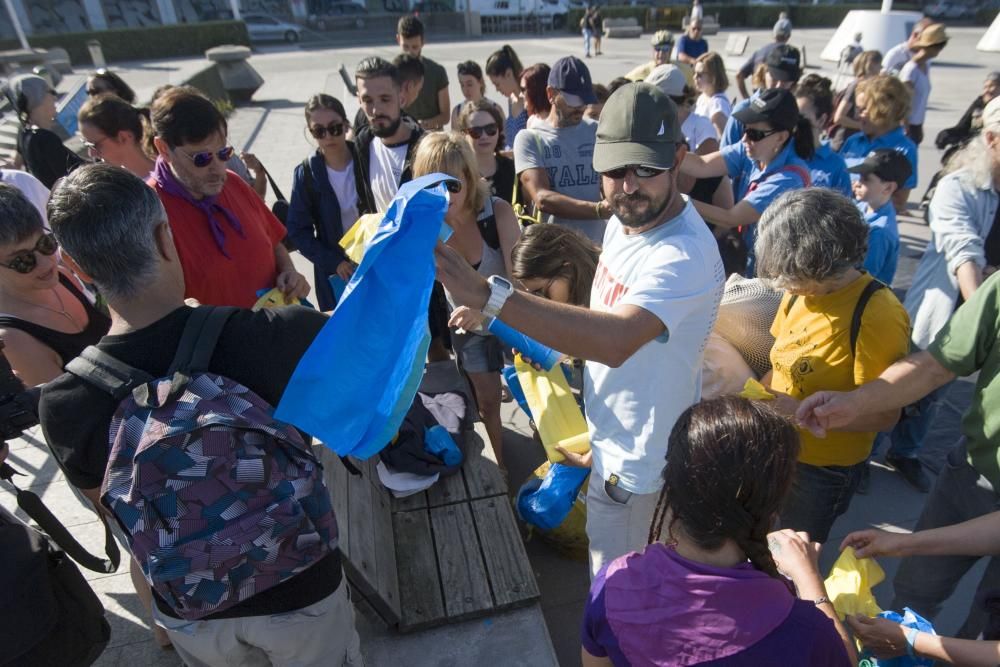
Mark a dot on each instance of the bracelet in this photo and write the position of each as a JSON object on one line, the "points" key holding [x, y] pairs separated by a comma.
{"points": [[911, 638], [822, 600]]}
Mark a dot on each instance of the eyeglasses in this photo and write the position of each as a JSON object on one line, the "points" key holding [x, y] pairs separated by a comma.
{"points": [[757, 135], [639, 171], [476, 132], [320, 131], [25, 262], [204, 158], [94, 146], [544, 291]]}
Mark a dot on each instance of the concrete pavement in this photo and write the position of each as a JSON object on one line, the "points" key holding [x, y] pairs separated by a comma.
{"points": [[273, 128]]}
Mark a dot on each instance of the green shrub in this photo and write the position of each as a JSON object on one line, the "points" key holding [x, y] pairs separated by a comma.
{"points": [[168, 41]]}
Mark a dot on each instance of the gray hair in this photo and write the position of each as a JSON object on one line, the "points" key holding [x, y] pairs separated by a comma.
{"points": [[809, 236], [105, 218], [975, 158], [19, 219]]}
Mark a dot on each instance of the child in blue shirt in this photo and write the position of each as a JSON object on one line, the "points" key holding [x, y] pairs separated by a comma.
{"points": [[881, 173]]}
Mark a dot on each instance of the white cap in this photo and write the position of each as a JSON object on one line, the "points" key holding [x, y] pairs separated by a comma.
{"points": [[669, 79]]}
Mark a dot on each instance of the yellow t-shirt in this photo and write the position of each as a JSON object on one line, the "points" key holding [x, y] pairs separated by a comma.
{"points": [[812, 352]]}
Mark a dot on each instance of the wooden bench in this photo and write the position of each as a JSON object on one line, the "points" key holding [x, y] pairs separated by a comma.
{"points": [[446, 554], [622, 27], [709, 24]]}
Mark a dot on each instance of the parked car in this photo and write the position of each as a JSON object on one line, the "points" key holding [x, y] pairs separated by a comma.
{"points": [[949, 10], [263, 27], [333, 14]]}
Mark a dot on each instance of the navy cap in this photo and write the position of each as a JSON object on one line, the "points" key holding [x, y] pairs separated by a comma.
{"points": [[784, 63], [887, 163], [572, 78], [774, 106]]}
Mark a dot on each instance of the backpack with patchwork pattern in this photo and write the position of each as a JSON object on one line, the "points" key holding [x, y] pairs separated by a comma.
{"points": [[219, 500]]}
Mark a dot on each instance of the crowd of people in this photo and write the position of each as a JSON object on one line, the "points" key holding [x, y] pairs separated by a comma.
{"points": [[612, 223]]}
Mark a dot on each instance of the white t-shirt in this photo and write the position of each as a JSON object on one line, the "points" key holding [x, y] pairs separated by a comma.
{"points": [[895, 58], [30, 187], [345, 187], [385, 169], [673, 271], [697, 129], [917, 77], [709, 106]]}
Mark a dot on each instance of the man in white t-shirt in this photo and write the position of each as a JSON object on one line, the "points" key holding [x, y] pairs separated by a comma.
{"points": [[916, 75], [899, 55], [654, 300], [386, 145]]}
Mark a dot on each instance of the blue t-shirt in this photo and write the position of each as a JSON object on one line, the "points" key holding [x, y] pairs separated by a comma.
{"points": [[828, 170], [858, 145], [883, 241], [761, 187], [692, 47], [733, 132]]}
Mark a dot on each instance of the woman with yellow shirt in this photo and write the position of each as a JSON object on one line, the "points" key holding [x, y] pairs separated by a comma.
{"points": [[836, 328]]}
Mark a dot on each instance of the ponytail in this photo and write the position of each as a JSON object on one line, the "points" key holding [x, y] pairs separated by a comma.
{"points": [[805, 147], [505, 59]]}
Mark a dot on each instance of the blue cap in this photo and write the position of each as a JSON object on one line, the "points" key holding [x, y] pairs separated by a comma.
{"points": [[572, 78]]}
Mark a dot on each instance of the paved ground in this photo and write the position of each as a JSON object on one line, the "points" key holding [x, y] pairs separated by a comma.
{"points": [[273, 128]]}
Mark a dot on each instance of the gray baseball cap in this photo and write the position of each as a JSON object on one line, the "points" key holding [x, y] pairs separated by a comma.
{"points": [[638, 127]]}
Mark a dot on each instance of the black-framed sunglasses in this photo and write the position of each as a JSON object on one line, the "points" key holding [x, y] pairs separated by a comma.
{"points": [[757, 135], [489, 130], [543, 291], [638, 170], [333, 129], [204, 158], [25, 262]]}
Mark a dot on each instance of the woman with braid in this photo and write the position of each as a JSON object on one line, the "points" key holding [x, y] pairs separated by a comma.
{"points": [[711, 587]]}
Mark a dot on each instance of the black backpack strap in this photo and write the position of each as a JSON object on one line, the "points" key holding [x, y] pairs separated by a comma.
{"points": [[791, 302], [51, 526], [107, 373], [488, 225], [859, 312], [197, 343], [278, 194]]}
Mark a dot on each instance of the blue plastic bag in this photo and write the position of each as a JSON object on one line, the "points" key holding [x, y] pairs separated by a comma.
{"points": [[439, 442], [546, 503], [909, 619], [354, 384]]}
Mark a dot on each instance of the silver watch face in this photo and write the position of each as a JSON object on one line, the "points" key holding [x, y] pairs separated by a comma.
{"points": [[501, 282]]}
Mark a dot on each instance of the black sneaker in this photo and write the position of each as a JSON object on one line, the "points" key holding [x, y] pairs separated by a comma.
{"points": [[866, 480], [912, 471]]}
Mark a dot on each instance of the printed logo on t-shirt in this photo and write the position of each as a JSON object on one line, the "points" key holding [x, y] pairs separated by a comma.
{"points": [[564, 177], [607, 287]]}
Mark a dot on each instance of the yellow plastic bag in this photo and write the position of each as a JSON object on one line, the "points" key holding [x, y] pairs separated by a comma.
{"points": [[273, 299], [850, 584], [755, 391], [557, 416], [358, 236]]}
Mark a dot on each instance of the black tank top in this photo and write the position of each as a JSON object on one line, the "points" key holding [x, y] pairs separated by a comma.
{"points": [[67, 345]]}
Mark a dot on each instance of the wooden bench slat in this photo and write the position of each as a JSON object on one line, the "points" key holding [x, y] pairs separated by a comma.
{"points": [[463, 574], [447, 490], [386, 578], [482, 475], [335, 477], [418, 501], [511, 577], [419, 583], [360, 519]]}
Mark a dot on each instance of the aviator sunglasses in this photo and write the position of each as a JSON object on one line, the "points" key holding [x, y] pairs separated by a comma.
{"points": [[204, 158], [320, 131], [25, 262], [476, 132], [639, 171]]}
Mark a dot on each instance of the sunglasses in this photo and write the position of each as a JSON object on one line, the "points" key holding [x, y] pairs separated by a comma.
{"points": [[204, 158], [489, 130], [320, 131], [640, 172], [544, 291], [758, 135], [26, 261]]}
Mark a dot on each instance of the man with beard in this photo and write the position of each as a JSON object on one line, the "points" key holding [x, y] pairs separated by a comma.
{"points": [[654, 300], [228, 241], [553, 159], [386, 145]]}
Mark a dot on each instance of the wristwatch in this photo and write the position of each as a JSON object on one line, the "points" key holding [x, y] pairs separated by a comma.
{"points": [[500, 291]]}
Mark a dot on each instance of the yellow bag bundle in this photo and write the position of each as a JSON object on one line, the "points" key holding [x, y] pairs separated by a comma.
{"points": [[556, 414], [849, 585], [358, 236], [755, 391]]}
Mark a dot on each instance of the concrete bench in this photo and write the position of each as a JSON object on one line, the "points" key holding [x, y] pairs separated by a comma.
{"points": [[624, 27], [441, 556], [709, 24]]}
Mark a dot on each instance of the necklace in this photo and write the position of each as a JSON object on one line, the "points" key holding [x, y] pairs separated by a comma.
{"points": [[62, 312]]}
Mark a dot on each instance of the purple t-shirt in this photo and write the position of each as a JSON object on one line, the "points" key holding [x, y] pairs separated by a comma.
{"points": [[665, 615]]}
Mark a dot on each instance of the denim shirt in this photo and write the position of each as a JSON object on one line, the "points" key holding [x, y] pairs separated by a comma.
{"points": [[859, 145], [961, 215]]}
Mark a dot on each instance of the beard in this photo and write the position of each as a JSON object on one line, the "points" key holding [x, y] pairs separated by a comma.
{"points": [[638, 210], [387, 130]]}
